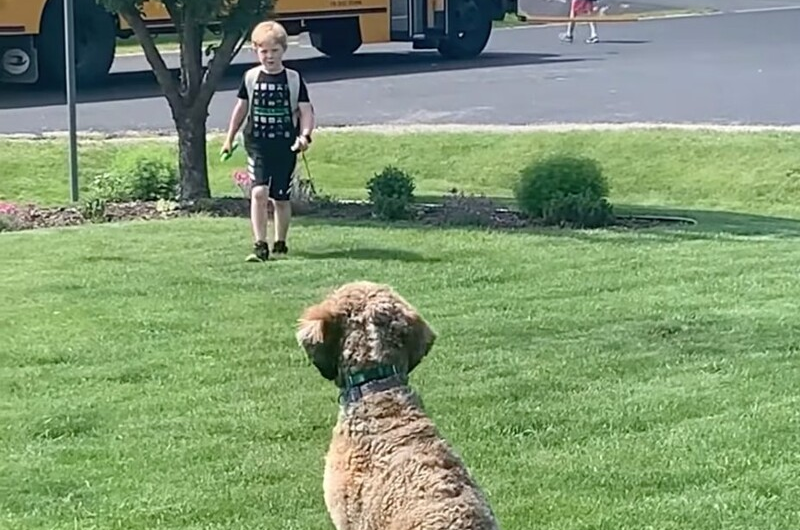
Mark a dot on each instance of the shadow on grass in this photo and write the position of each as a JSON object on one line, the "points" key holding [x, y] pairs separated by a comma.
{"points": [[710, 224], [717, 223], [367, 254]]}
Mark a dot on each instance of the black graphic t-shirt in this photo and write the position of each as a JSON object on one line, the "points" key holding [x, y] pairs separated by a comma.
{"points": [[270, 116]]}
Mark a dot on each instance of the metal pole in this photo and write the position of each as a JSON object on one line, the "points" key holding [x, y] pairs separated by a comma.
{"points": [[69, 45]]}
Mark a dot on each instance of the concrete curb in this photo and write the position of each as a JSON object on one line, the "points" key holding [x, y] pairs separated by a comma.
{"points": [[451, 128]]}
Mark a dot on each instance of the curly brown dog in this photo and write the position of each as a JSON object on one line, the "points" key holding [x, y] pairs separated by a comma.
{"points": [[387, 468]]}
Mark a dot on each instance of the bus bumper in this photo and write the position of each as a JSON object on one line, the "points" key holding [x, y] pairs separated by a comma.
{"points": [[18, 62]]}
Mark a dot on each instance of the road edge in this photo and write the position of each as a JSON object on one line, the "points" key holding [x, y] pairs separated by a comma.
{"points": [[444, 128]]}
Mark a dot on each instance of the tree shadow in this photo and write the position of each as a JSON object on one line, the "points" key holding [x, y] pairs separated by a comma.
{"points": [[714, 223], [142, 84], [708, 224], [706, 221], [366, 254]]}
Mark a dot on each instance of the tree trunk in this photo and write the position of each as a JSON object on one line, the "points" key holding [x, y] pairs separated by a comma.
{"points": [[192, 160]]}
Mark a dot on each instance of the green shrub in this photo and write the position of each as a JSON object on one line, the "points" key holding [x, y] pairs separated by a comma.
{"points": [[110, 186], [578, 209], [154, 179], [138, 179], [93, 209], [391, 193], [7, 223], [565, 190], [9, 217]]}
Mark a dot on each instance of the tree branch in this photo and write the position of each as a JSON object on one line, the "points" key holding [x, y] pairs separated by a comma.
{"points": [[192, 59], [217, 66], [190, 34], [160, 70]]}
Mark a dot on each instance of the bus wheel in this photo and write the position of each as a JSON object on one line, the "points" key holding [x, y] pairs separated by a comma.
{"points": [[471, 25], [336, 38], [95, 43]]}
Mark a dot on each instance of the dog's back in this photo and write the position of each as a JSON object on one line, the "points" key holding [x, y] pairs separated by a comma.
{"points": [[399, 473], [388, 468]]}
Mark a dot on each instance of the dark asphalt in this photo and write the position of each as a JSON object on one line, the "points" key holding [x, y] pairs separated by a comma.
{"points": [[730, 68]]}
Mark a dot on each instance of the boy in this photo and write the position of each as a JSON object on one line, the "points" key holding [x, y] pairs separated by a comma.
{"points": [[578, 8], [274, 100]]}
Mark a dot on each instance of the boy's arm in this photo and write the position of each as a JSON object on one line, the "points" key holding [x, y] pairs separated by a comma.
{"points": [[307, 119], [237, 118], [239, 112]]}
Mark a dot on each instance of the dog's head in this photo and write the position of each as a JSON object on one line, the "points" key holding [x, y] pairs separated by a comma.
{"points": [[362, 324]]}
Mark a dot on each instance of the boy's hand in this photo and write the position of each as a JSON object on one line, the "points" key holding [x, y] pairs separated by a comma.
{"points": [[226, 146], [300, 144], [227, 150]]}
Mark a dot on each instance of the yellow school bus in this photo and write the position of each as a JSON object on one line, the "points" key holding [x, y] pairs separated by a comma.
{"points": [[32, 31]]}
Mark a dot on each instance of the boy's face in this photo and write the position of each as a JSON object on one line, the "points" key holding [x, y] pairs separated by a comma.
{"points": [[269, 53]]}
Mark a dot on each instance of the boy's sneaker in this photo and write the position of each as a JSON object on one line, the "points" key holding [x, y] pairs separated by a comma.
{"points": [[593, 40], [566, 37], [260, 252], [280, 247]]}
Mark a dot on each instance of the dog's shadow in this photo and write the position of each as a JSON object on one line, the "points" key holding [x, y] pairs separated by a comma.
{"points": [[367, 254]]}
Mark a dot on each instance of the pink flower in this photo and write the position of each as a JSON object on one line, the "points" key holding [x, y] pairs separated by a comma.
{"points": [[8, 208], [243, 180]]}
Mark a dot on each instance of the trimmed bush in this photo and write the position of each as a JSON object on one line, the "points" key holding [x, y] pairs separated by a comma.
{"points": [[578, 209], [391, 193], [565, 190]]}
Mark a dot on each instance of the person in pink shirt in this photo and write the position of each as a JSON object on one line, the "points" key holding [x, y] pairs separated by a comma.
{"points": [[578, 8]]}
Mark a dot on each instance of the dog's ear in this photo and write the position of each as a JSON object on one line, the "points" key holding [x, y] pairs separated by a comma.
{"points": [[318, 333], [419, 339]]}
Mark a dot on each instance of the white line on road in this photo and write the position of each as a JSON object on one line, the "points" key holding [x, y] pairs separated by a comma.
{"points": [[766, 9], [680, 15]]}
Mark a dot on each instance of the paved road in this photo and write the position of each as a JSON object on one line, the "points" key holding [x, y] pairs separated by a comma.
{"points": [[726, 6], [730, 68], [639, 7]]}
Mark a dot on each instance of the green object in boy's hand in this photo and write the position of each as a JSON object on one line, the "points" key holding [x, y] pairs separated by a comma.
{"points": [[225, 155]]}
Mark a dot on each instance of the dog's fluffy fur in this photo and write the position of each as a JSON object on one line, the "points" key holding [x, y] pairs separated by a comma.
{"points": [[387, 467]]}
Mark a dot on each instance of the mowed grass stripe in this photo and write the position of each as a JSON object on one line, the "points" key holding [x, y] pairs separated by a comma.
{"points": [[591, 379]]}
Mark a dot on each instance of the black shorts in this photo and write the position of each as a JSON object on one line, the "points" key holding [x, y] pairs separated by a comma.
{"points": [[274, 171]]}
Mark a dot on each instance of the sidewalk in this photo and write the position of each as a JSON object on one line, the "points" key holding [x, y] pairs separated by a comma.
{"points": [[611, 10]]}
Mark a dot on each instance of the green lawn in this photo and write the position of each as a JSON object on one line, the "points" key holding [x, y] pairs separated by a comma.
{"points": [[149, 378], [755, 173]]}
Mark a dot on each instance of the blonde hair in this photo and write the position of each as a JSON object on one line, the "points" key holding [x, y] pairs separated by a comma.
{"points": [[270, 32]]}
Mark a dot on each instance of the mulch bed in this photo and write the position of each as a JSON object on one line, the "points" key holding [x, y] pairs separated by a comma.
{"points": [[453, 212]]}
